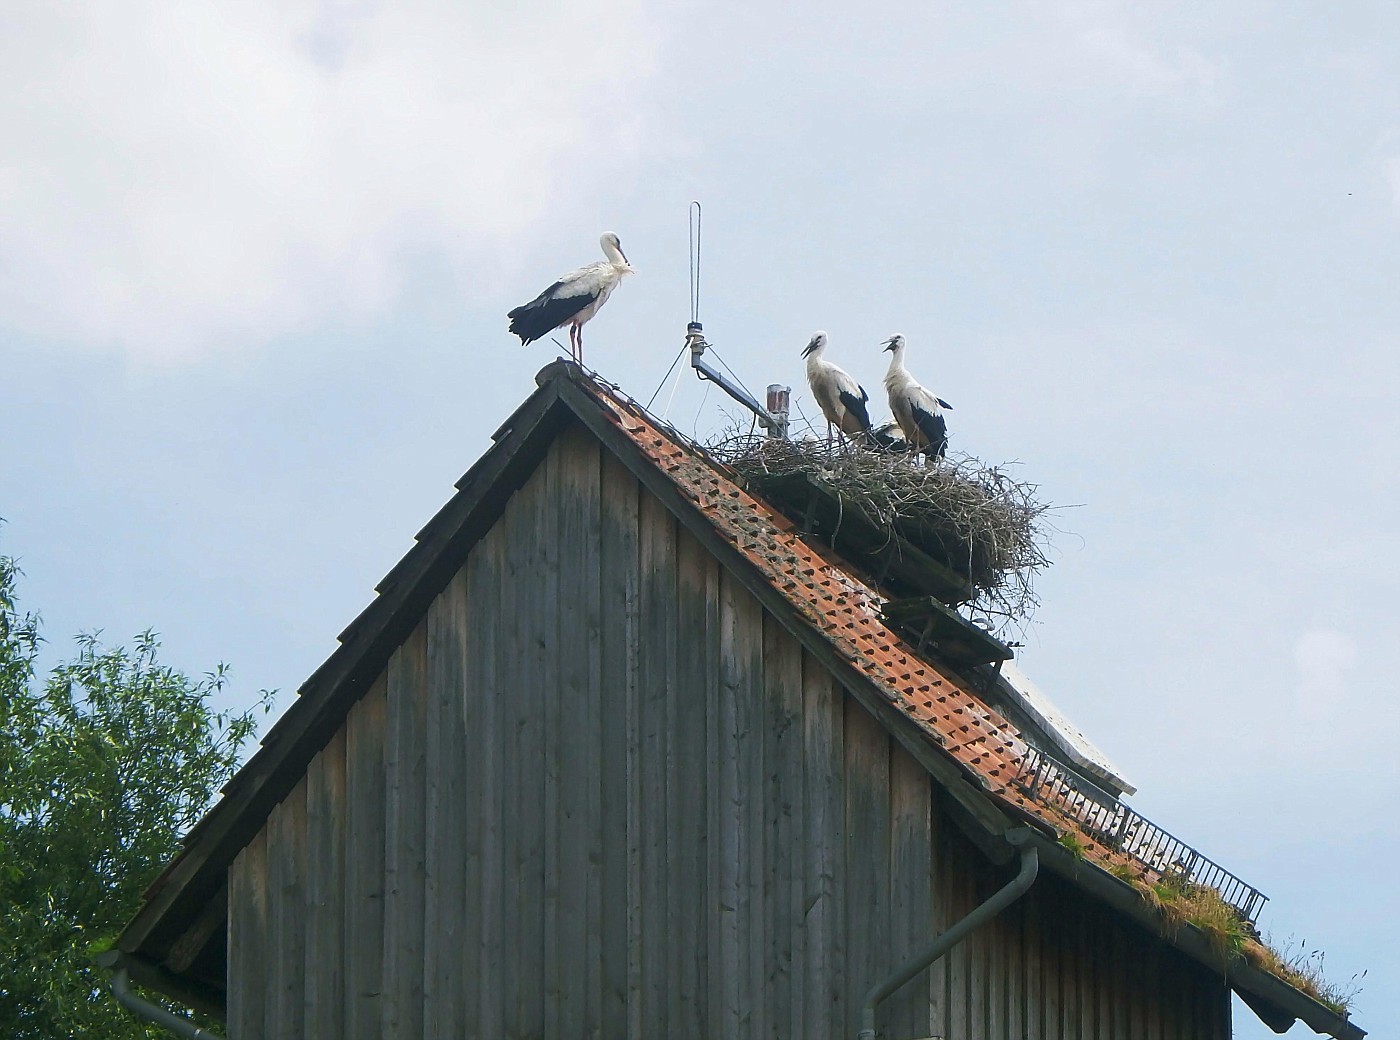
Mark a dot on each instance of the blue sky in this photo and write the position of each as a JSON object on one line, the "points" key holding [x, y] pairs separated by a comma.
{"points": [[255, 261]]}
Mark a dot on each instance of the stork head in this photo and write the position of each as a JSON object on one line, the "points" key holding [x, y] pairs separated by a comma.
{"points": [[895, 343], [612, 249], [817, 344]]}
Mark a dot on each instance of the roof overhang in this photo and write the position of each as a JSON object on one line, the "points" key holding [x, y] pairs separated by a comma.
{"points": [[1277, 1004]]}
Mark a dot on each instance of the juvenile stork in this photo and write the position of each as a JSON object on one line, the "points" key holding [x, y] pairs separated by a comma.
{"points": [[918, 412], [841, 398], [573, 299]]}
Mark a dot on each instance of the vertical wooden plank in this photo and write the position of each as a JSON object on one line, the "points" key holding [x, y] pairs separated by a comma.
{"points": [[1156, 988], [1220, 1011], [1052, 955], [1104, 937], [781, 799], [512, 679], [717, 811], [637, 802], [656, 680], [562, 875], [364, 863], [939, 913], [1031, 947], [754, 768], [961, 1021], [618, 589], [286, 860], [867, 768], [445, 823], [792, 743], [535, 653], [980, 882], [1012, 932], [248, 938], [595, 719], [1118, 981], [1096, 972], [688, 794], [434, 836], [910, 882], [515, 926], [405, 768], [823, 912], [579, 799], [489, 591], [478, 648], [737, 666], [1139, 993], [1071, 927], [326, 891], [994, 964]]}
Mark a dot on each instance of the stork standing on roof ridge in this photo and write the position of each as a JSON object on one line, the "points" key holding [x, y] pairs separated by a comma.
{"points": [[918, 412], [573, 299], [841, 399]]}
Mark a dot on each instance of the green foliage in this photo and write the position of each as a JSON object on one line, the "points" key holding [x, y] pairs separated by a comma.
{"points": [[104, 764], [1074, 844]]}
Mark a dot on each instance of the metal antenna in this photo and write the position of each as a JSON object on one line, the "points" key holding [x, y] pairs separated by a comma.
{"points": [[774, 418], [695, 215]]}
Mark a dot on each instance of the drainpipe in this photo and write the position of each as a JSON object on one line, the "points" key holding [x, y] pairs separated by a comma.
{"points": [[1030, 866], [121, 989]]}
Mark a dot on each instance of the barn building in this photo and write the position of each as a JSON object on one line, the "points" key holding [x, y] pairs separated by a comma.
{"points": [[622, 750]]}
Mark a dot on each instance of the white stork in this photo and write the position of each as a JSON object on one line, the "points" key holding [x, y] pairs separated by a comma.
{"points": [[841, 398], [918, 412], [573, 299]]}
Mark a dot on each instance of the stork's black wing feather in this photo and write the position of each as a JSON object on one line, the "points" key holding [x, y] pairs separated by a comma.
{"points": [[545, 313], [856, 406], [934, 429]]}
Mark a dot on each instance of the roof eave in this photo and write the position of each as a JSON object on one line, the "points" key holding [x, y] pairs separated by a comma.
{"points": [[1275, 1001], [182, 889]]}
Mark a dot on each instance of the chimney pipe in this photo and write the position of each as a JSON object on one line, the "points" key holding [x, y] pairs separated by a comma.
{"points": [[778, 403]]}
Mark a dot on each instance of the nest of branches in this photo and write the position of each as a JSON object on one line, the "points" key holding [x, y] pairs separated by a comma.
{"points": [[978, 520]]}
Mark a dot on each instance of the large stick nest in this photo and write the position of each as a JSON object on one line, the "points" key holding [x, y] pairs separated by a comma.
{"points": [[977, 519]]}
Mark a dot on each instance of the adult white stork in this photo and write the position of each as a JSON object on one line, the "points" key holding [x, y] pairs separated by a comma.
{"points": [[841, 398], [918, 412], [573, 299]]}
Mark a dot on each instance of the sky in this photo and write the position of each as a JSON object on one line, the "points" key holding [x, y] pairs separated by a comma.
{"points": [[255, 261]]}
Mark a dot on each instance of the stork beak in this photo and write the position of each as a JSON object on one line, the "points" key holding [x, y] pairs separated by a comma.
{"points": [[809, 348], [624, 257], [887, 346]]}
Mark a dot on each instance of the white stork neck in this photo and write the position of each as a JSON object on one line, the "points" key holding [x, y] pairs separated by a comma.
{"points": [[897, 373], [614, 255]]}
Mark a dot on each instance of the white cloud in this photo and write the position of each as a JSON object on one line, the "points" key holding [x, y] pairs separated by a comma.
{"points": [[180, 176]]}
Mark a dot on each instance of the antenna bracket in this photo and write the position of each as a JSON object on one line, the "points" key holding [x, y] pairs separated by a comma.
{"points": [[774, 419]]}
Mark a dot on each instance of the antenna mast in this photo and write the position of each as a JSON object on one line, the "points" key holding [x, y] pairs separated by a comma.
{"points": [[773, 418]]}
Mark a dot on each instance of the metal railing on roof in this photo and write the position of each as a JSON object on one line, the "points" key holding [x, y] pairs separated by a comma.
{"points": [[1115, 826]]}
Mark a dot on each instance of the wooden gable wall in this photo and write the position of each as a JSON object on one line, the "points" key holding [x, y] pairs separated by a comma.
{"points": [[599, 792]]}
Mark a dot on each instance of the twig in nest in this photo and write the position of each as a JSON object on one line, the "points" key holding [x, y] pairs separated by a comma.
{"points": [[980, 520]]}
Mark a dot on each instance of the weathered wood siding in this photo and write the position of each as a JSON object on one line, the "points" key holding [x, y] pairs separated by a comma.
{"points": [[600, 793]]}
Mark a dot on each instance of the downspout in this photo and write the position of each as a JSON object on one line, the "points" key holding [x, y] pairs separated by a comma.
{"points": [[121, 989], [1030, 866]]}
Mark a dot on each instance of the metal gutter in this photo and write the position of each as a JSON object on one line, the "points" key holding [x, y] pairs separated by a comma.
{"points": [[1008, 894], [120, 984]]}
